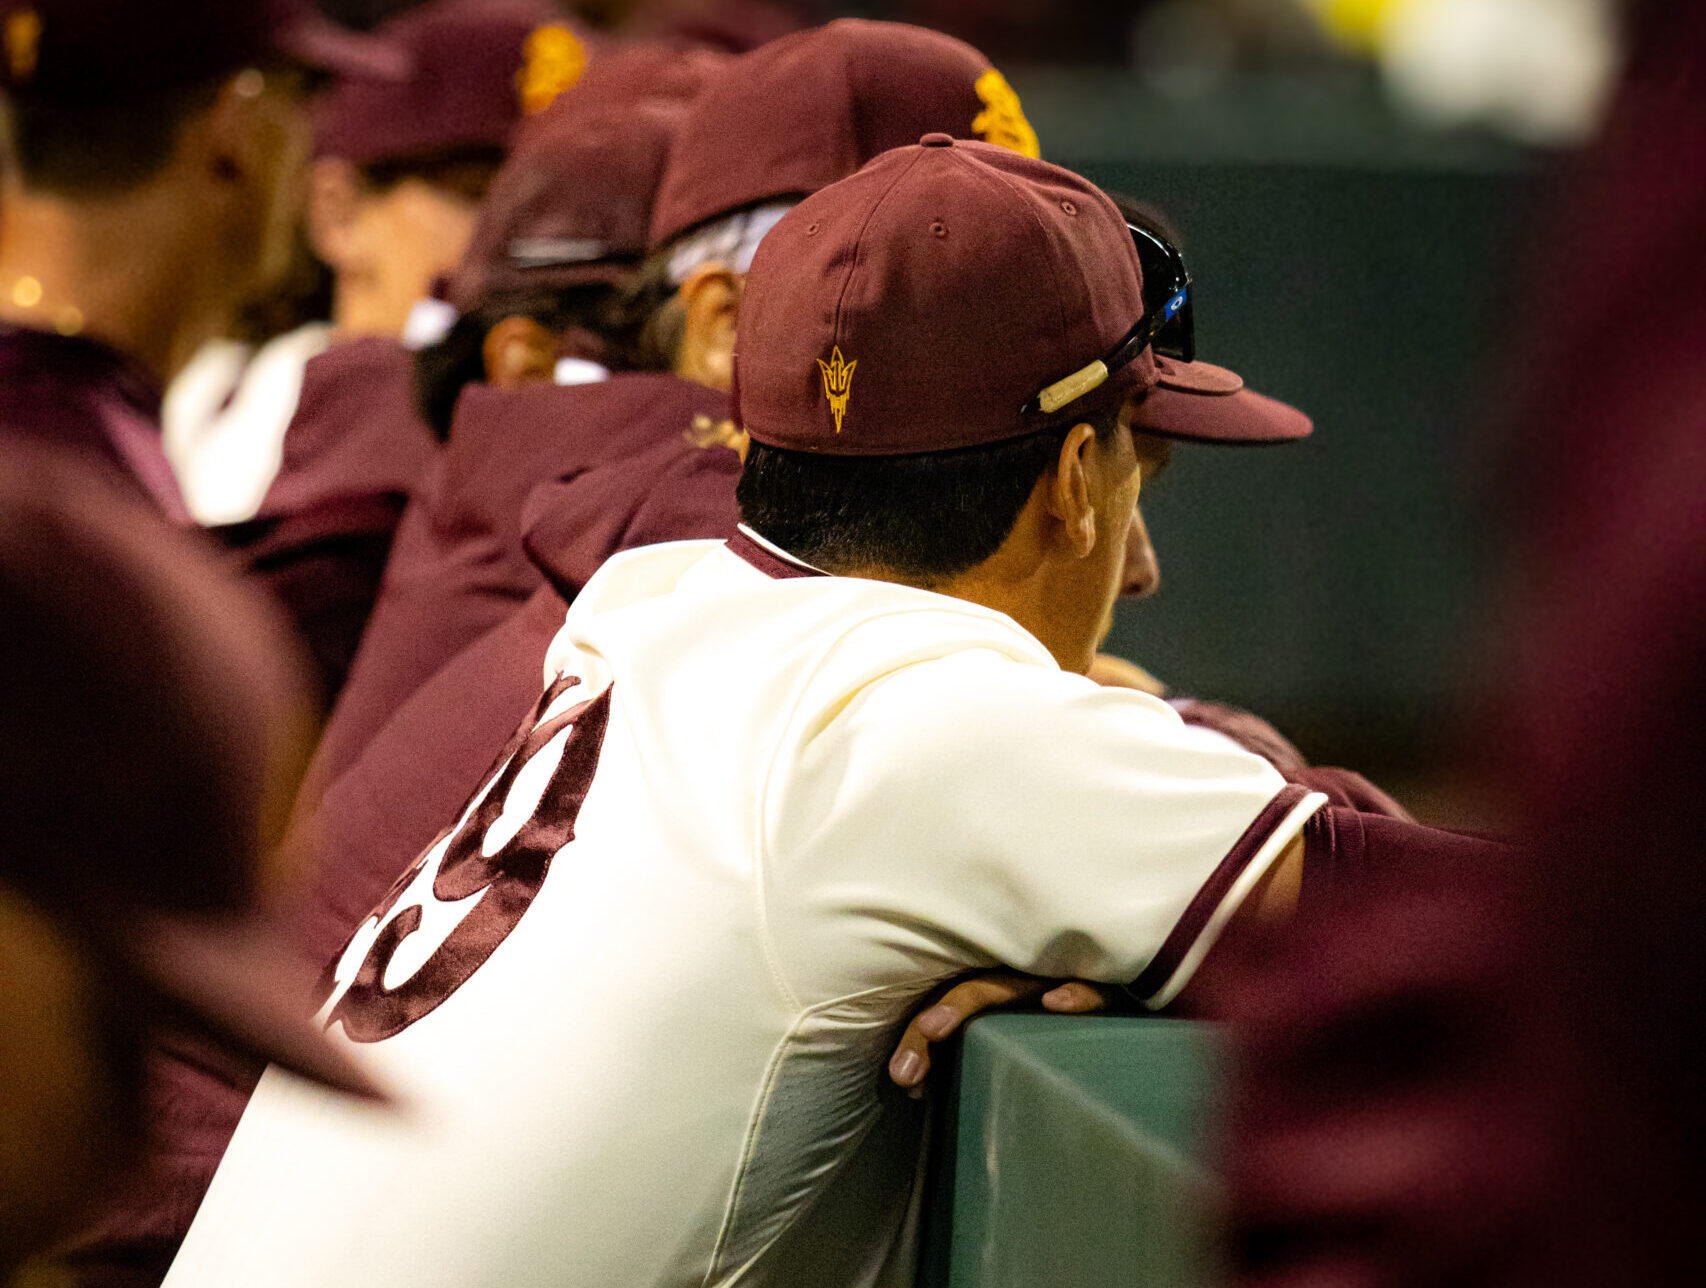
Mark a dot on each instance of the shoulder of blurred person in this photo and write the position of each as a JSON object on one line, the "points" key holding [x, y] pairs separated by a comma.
{"points": [[408, 784], [83, 396], [159, 688], [1551, 1123]]}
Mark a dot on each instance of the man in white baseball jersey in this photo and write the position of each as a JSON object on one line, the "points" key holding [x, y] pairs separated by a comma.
{"points": [[641, 997]]}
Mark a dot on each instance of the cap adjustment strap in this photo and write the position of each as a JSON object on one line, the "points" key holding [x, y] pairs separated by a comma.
{"points": [[1073, 387]]}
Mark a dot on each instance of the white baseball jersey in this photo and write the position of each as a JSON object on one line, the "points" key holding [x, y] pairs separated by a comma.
{"points": [[639, 1003]]}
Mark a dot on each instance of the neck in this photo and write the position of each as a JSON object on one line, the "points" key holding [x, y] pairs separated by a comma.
{"points": [[1029, 580], [357, 312], [132, 271]]}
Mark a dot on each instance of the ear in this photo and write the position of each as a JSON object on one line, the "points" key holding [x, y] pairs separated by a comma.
{"points": [[221, 145], [519, 351], [334, 206], [711, 299], [1068, 492]]}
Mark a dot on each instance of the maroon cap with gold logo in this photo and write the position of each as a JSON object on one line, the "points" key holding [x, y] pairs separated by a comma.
{"points": [[804, 111], [573, 203], [955, 294], [108, 51], [474, 69]]}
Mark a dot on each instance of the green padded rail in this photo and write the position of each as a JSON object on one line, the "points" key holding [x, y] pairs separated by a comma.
{"points": [[1072, 1153]]}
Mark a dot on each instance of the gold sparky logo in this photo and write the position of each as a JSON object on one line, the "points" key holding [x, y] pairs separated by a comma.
{"points": [[23, 44], [552, 60], [1003, 121], [838, 384]]}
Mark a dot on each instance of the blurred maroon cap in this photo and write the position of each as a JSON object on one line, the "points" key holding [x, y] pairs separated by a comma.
{"points": [[920, 305], [804, 111], [150, 741], [100, 51], [728, 26], [573, 203], [473, 68]]}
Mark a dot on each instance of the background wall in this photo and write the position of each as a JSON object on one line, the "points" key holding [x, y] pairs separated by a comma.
{"points": [[1352, 265]]}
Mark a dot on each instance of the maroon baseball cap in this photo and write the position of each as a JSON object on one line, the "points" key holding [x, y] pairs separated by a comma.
{"points": [[573, 203], [95, 51], [802, 112], [954, 294], [150, 740], [472, 69]]}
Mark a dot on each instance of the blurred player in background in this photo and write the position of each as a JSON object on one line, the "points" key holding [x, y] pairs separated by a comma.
{"points": [[400, 167], [307, 470], [562, 232], [152, 160], [152, 166], [152, 732]]}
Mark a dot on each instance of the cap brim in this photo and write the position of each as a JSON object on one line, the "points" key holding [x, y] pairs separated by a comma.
{"points": [[321, 45], [469, 290], [1205, 403], [241, 985]]}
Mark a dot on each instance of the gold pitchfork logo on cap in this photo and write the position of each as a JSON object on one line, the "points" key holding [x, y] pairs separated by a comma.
{"points": [[838, 384], [1003, 121], [552, 60]]}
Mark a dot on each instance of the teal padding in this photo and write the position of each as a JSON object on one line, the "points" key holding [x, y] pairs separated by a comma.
{"points": [[1075, 1153]]}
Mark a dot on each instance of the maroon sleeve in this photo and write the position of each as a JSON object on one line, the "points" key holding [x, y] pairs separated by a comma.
{"points": [[1347, 850], [695, 501], [1349, 790]]}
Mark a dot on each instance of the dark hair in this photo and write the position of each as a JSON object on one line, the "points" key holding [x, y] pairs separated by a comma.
{"points": [[443, 369], [639, 326], [88, 150], [925, 518], [464, 169], [647, 317]]}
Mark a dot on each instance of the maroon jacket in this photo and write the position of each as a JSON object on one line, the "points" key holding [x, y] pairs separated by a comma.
{"points": [[458, 567], [353, 453], [80, 395]]}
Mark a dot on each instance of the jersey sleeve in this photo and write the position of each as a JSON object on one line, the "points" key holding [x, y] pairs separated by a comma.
{"points": [[976, 810]]}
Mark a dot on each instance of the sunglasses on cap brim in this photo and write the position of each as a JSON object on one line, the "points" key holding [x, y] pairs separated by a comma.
{"points": [[1167, 325]]}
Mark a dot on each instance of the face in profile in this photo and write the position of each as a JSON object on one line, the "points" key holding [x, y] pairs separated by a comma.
{"points": [[1123, 564]]}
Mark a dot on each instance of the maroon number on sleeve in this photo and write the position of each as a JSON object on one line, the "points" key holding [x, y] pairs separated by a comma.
{"points": [[507, 881]]}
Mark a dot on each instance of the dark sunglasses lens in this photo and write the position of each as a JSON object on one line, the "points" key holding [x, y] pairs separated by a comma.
{"points": [[1164, 279], [1177, 339]]}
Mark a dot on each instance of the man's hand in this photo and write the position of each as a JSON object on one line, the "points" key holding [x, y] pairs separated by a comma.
{"points": [[911, 1060]]}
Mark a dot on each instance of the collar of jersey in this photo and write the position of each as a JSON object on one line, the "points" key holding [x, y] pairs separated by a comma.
{"points": [[769, 558]]}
